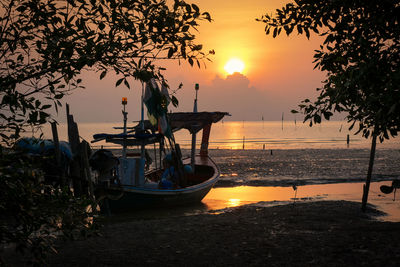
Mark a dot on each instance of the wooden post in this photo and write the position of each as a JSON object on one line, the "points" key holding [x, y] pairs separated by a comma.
{"points": [[155, 155], [86, 167], [204, 140], [193, 150], [73, 138], [57, 153], [370, 167]]}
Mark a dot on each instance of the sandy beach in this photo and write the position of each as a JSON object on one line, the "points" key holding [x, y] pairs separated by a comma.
{"points": [[327, 233], [253, 218]]}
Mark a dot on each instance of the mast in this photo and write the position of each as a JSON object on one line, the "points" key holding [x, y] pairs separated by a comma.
{"points": [[193, 152]]}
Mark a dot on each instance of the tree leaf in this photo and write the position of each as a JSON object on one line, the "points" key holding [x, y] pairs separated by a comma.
{"points": [[127, 84], [119, 82], [103, 74]]}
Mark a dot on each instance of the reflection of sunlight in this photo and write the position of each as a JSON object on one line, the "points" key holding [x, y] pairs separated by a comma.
{"points": [[225, 197], [233, 202], [234, 135]]}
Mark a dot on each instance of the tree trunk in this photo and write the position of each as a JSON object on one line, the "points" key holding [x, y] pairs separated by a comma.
{"points": [[370, 167]]}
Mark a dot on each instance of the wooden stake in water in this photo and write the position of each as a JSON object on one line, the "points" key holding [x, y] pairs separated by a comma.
{"points": [[243, 142], [282, 120], [262, 118]]}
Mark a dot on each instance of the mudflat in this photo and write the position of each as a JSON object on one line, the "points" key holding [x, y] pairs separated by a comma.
{"points": [[322, 233]]}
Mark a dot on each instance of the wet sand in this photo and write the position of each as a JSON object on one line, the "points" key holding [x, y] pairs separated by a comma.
{"points": [[320, 233], [266, 196], [302, 166], [244, 222], [249, 230]]}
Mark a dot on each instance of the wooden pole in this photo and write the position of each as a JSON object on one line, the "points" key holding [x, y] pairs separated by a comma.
{"points": [[86, 167], [193, 151], [204, 140], [370, 167], [73, 138], [155, 155], [57, 153]]}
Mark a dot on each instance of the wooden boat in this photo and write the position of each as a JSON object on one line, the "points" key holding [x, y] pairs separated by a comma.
{"points": [[138, 188]]}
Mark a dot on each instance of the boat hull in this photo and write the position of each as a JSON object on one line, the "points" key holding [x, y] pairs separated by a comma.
{"points": [[125, 198]]}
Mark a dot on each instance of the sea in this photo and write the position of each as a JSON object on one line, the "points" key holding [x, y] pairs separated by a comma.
{"points": [[276, 153]]}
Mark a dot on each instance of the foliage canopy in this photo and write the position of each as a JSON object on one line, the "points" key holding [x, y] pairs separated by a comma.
{"points": [[360, 54], [45, 44], [44, 47]]}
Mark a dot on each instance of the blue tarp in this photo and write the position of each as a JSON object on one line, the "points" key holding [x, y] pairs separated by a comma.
{"points": [[42, 147]]}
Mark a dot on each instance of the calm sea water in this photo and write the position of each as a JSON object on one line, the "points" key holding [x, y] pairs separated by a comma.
{"points": [[254, 135]]}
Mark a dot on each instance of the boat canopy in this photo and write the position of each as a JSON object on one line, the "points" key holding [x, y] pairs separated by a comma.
{"points": [[194, 121], [186, 120]]}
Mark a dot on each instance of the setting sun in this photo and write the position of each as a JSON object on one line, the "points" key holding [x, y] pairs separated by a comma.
{"points": [[234, 65]]}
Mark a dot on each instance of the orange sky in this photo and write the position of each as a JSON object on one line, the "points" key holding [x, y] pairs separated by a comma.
{"points": [[278, 72]]}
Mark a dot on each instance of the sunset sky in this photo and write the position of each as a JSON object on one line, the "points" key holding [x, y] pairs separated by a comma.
{"points": [[277, 73]]}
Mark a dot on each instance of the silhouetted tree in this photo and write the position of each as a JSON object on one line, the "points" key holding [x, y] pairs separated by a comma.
{"points": [[361, 56], [44, 47]]}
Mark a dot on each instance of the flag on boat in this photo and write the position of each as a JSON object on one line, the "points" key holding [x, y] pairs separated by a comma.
{"points": [[156, 102]]}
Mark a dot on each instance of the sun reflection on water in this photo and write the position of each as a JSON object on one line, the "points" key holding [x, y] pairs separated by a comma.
{"points": [[234, 202], [226, 197]]}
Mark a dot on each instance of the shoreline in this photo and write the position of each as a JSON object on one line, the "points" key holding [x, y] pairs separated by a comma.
{"points": [[220, 198]]}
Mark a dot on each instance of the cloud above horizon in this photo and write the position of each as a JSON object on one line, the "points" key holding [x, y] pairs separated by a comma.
{"points": [[101, 100], [236, 95]]}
